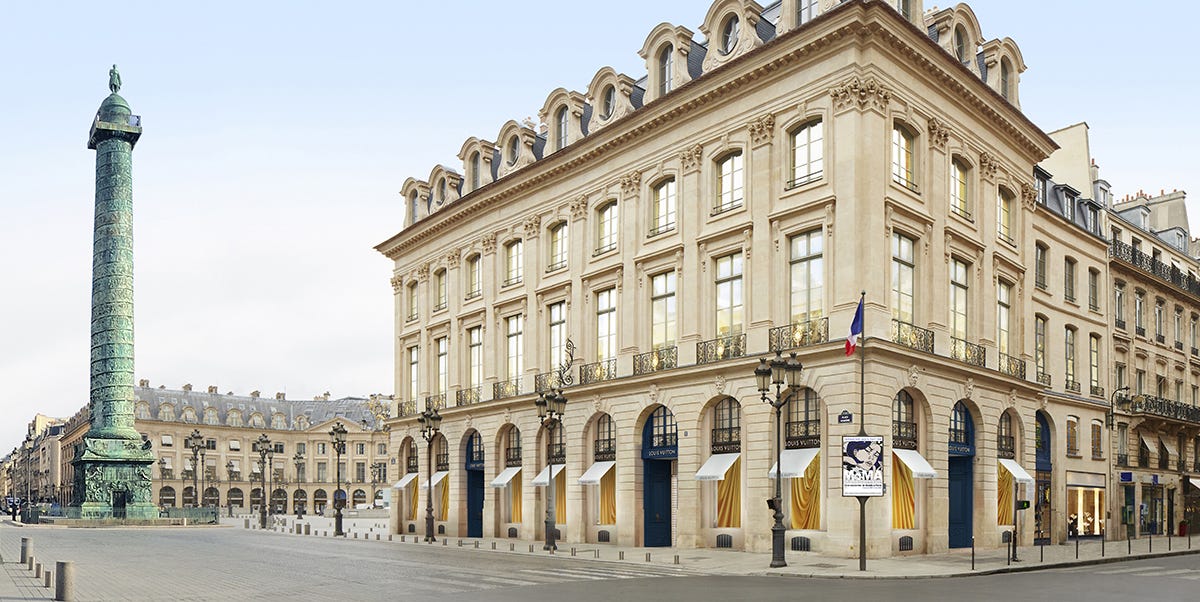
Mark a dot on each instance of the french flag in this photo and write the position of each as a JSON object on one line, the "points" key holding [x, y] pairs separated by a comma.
{"points": [[856, 329]]}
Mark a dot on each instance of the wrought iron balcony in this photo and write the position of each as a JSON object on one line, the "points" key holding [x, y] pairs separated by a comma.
{"points": [[557, 453], [1162, 407], [726, 440], [1119, 323], [660, 440], [406, 408], [235, 475], [800, 334], [556, 265], [512, 456], [912, 336], [442, 461], [440, 306], [1195, 352], [1171, 274], [468, 396], [506, 388], [436, 401], [545, 381], [1140, 331], [1097, 391], [605, 449], [1179, 345], [803, 179], [965, 351], [512, 281], [475, 454], [720, 208], [661, 228], [721, 348], [663, 358], [598, 371], [1160, 339], [904, 435], [803, 434], [1040, 281], [473, 293], [1012, 366], [961, 212], [1043, 379], [602, 249], [187, 474], [1006, 446], [1072, 386], [1123, 459], [412, 464]]}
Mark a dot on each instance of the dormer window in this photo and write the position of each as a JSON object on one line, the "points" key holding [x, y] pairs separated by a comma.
{"points": [[729, 34], [514, 149], [1069, 207], [960, 44], [441, 191], [412, 207], [475, 168], [666, 62], [560, 124], [609, 100], [1005, 78]]}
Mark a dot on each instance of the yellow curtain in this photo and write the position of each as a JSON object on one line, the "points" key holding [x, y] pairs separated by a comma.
{"points": [[608, 497], [514, 488], [729, 497], [560, 497], [904, 499], [444, 508], [1004, 500], [412, 499], [806, 497]]}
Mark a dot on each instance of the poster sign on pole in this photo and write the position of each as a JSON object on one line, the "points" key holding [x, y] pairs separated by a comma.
{"points": [[862, 466]]}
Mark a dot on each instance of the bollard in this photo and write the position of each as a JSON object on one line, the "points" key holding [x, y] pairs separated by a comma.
{"points": [[597, 554], [1152, 541], [677, 559], [1077, 548], [972, 553], [647, 556], [49, 578], [572, 551], [37, 571], [512, 547], [26, 549], [1128, 540], [307, 529], [476, 544], [621, 555], [1168, 540], [493, 545], [530, 547], [1103, 536], [1041, 547], [64, 583], [246, 525], [29, 563]]}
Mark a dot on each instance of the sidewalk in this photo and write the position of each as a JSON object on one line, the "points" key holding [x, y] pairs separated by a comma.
{"points": [[18, 583], [800, 564]]}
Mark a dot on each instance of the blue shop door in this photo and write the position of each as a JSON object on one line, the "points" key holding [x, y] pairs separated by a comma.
{"points": [[961, 501], [474, 503], [657, 508]]}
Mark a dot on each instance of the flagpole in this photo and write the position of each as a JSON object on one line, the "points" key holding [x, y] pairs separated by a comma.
{"points": [[862, 431]]}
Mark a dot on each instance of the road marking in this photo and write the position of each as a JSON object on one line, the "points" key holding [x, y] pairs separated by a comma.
{"points": [[1133, 570], [1165, 573]]}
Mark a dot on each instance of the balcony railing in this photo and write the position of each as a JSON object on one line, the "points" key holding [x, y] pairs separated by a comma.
{"points": [[413, 464], [471, 294], [1072, 386], [605, 450], [468, 396], [1012, 366], [904, 435], [545, 381], [965, 351], [1165, 408], [1097, 453], [801, 334], [1195, 351], [557, 265], [1096, 391], [1123, 459], [436, 401], [661, 228], [1171, 274], [442, 461], [512, 456], [1006, 446], [507, 388], [961, 212], [439, 306], [235, 475], [598, 371], [726, 440], [1119, 323], [803, 179], [167, 473], [602, 249], [912, 336], [1179, 345], [406, 408], [1140, 331], [511, 281], [1043, 379], [722, 208], [557, 452], [803, 434], [1160, 339], [722, 348], [664, 358]]}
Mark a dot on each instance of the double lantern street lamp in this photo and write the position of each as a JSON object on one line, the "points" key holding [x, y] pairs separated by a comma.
{"points": [[550, 407], [298, 460], [431, 423], [338, 435], [264, 450], [196, 443], [778, 372]]}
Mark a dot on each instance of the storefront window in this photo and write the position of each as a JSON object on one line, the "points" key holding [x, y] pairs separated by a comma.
{"points": [[1085, 511]]}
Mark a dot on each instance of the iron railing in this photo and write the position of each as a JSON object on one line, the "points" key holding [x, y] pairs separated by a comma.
{"points": [[1162, 407], [661, 440], [1140, 331], [557, 452], [441, 461], [598, 371], [473, 293], [605, 449], [1072, 386], [726, 440], [602, 249], [803, 434], [1006, 446], [468, 396], [720, 208], [659, 229], [545, 381], [512, 456], [1096, 391], [912, 336], [1147, 263], [1123, 459], [557, 265], [804, 179], [436, 401], [440, 306], [412, 464], [476, 454], [1012, 366], [1179, 345], [965, 351], [1119, 323], [663, 358], [512, 280], [507, 388], [904, 434], [406, 408], [961, 212], [1043, 378], [1160, 339], [721, 348], [799, 334]]}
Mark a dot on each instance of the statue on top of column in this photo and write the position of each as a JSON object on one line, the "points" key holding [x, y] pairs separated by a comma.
{"points": [[114, 80]]}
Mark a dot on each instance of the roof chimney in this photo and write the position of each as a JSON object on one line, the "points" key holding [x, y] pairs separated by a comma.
{"points": [[187, 387], [279, 396], [212, 389], [144, 383], [255, 394]]}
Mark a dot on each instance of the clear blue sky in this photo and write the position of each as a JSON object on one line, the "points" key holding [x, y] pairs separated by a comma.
{"points": [[277, 135]]}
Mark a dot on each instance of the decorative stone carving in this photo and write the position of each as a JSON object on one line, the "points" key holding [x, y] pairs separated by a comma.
{"points": [[652, 394], [620, 279], [939, 134], [489, 243], [452, 258], [762, 130], [423, 273], [859, 92], [532, 225], [1028, 195], [597, 405], [988, 166], [579, 207], [1012, 398], [719, 385], [969, 388], [914, 375], [691, 157], [630, 183], [397, 283], [747, 243], [507, 416]]}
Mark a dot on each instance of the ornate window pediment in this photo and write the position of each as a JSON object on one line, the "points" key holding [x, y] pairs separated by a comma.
{"points": [[733, 28], [666, 54], [479, 164], [611, 96], [519, 145], [563, 116]]}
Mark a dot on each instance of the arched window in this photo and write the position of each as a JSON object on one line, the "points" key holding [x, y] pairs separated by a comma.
{"points": [[730, 182], [556, 448], [476, 166], [188, 415], [804, 420], [904, 425], [606, 227], [512, 447], [1005, 78], [514, 149], [605, 444], [278, 421], [441, 458], [256, 421], [807, 154], [412, 207], [666, 63], [412, 459], [441, 191], [143, 411], [962, 432], [475, 454], [960, 44], [210, 416], [727, 427], [729, 34], [960, 197], [233, 418], [663, 431], [560, 128], [608, 100]]}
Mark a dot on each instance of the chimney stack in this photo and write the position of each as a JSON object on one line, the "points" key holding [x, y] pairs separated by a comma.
{"points": [[279, 396], [187, 387], [212, 389]]}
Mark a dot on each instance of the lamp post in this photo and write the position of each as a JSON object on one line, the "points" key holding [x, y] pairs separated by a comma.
{"points": [[298, 460], [195, 442], [431, 423], [1110, 422], [337, 434], [203, 474], [778, 372], [229, 475], [550, 406], [264, 448]]}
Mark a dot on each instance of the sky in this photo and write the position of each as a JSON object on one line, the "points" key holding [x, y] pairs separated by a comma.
{"points": [[278, 134]]}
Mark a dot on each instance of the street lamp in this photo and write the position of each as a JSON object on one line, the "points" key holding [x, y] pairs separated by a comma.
{"points": [[298, 460], [778, 372], [550, 406], [338, 435], [195, 441], [431, 423], [264, 449], [229, 475], [1110, 417]]}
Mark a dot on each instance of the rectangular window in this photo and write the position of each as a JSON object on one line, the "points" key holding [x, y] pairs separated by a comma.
{"points": [[606, 324], [807, 153], [321, 449], [1069, 350], [1158, 320], [664, 207], [1140, 382], [1178, 326], [558, 334], [730, 184], [1139, 312], [360, 472], [1003, 294], [903, 281], [1004, 203], [1039, 264], [474, 277], [1194, 334], [414, 371], [1072, 437], [439, 281], [412, 301], [606, 228], [1123, 440], [1094, 361], [958, 299], [475, 356], [1119, 374], [322, 472], [443, 349], [1178, 391], [729, 295], [1119, 304], [1039, 344], [1093, 290], [1097, 441], [807, 276], [302, 448], [558, 247], [1069, 279], [516, 345], [806, 10], [514, 263], [959, 199], [902, 158], [662, 310], [360, 448]]}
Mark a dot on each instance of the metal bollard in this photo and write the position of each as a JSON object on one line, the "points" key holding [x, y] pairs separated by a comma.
{"points": [[1103, 536], [476, 544], [29, 563], [26, 549], [493, 545], [1151, 541], [1128, 540], [64, 582], [246, 525], [647, 556], [572, 551], [512, 547], [1168, 541], [597, 554], [530, 547], [621, 555], [37, 571], [677, 559], [49, 578], [972, 553]]}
